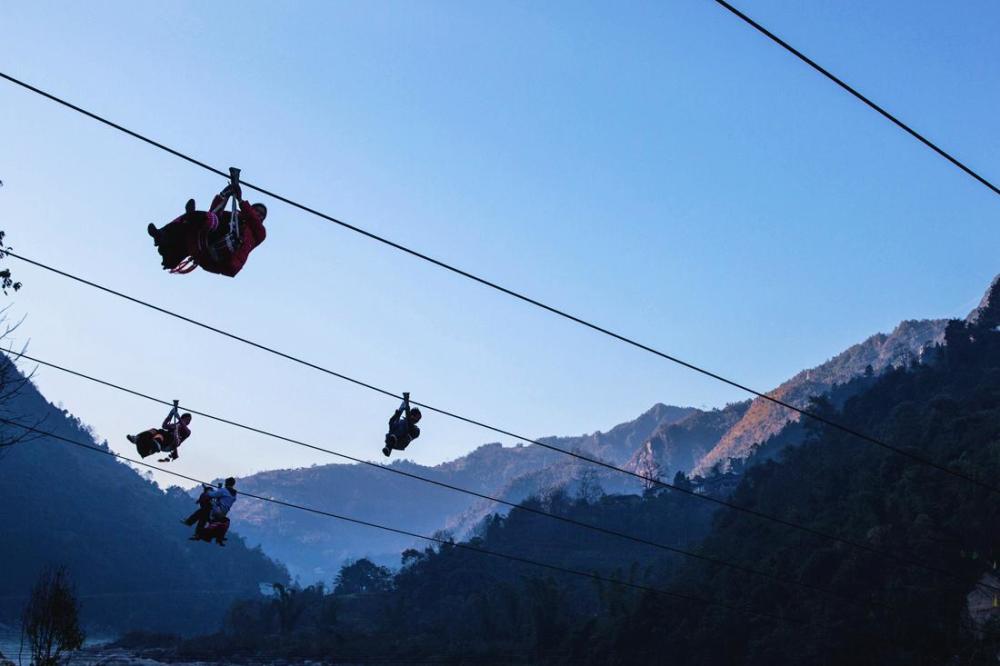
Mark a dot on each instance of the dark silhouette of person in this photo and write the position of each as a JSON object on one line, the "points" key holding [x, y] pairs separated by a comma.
{"points": [[402, 427], [165, 439]]}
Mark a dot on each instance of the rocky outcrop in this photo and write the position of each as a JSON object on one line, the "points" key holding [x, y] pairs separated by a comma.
{"points": [[679, 447], [987, 313], [765, 419]]}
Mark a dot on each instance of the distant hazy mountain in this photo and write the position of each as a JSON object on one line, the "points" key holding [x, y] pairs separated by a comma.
{"points": [[118, 533], [679, 447], [314, 547], [621, 442]]}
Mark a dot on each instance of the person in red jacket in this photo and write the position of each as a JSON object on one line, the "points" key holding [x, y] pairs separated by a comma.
{"points": [[218, 254], [206, 239]]}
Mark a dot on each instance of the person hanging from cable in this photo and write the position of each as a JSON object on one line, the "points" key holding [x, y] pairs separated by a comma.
{"points": [[402, 427], [165, 439], [211, 520], [218, 240]]}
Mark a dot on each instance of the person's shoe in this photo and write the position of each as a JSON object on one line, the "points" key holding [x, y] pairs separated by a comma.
{"points": [[385, 451], [130, 438], [189, 206], [154, 233]]}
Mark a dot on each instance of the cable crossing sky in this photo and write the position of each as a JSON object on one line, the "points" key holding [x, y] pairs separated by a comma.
{"points": [[878, 109], [465, 419], [441, 264]]}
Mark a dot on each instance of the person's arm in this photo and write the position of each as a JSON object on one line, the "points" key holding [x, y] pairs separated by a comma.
{"points": [[219, 201], [251, 220], [394, 419]]}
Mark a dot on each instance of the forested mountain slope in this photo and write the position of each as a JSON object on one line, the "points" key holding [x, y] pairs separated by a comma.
{"points": [[118, 533], [946, 411]]}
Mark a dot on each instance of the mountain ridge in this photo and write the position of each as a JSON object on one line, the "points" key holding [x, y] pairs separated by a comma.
{"points": [[765, 419]]}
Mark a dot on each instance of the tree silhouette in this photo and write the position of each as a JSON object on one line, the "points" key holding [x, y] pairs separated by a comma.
{"points": [[650, 470], [362, 577], [6, 278], [289, 606], [50, 620]]}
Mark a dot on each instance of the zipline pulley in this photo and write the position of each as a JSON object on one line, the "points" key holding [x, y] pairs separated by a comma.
{"points": [[226, 246]]}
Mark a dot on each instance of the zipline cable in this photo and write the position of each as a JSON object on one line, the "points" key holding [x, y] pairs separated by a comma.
{"points": [[443, 542], [513, 505], [510, 292], [840, 82], [707, 498]]}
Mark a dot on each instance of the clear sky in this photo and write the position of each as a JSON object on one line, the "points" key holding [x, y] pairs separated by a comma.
{"points": [[657, 167]]}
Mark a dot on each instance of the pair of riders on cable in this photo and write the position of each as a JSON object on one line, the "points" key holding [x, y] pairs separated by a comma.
{"points": [[165, 439], [218, 240], [211, 520]]}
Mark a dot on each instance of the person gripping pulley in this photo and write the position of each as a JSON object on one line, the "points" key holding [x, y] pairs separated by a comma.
{"points": [[217, 240], [402, 427], [165, 439]]}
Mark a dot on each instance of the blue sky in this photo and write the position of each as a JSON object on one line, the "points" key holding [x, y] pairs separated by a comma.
{"points": [[659, 168]]}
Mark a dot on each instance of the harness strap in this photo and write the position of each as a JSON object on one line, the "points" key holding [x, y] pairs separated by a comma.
{"points": [[186, 266], [234, 225]]}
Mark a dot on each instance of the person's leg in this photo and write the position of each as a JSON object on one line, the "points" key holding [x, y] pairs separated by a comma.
{"points": [[402, 442], [220, 537], [205, 503], [171, 242], [199, 516], [145, 443], [202, 514]]}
